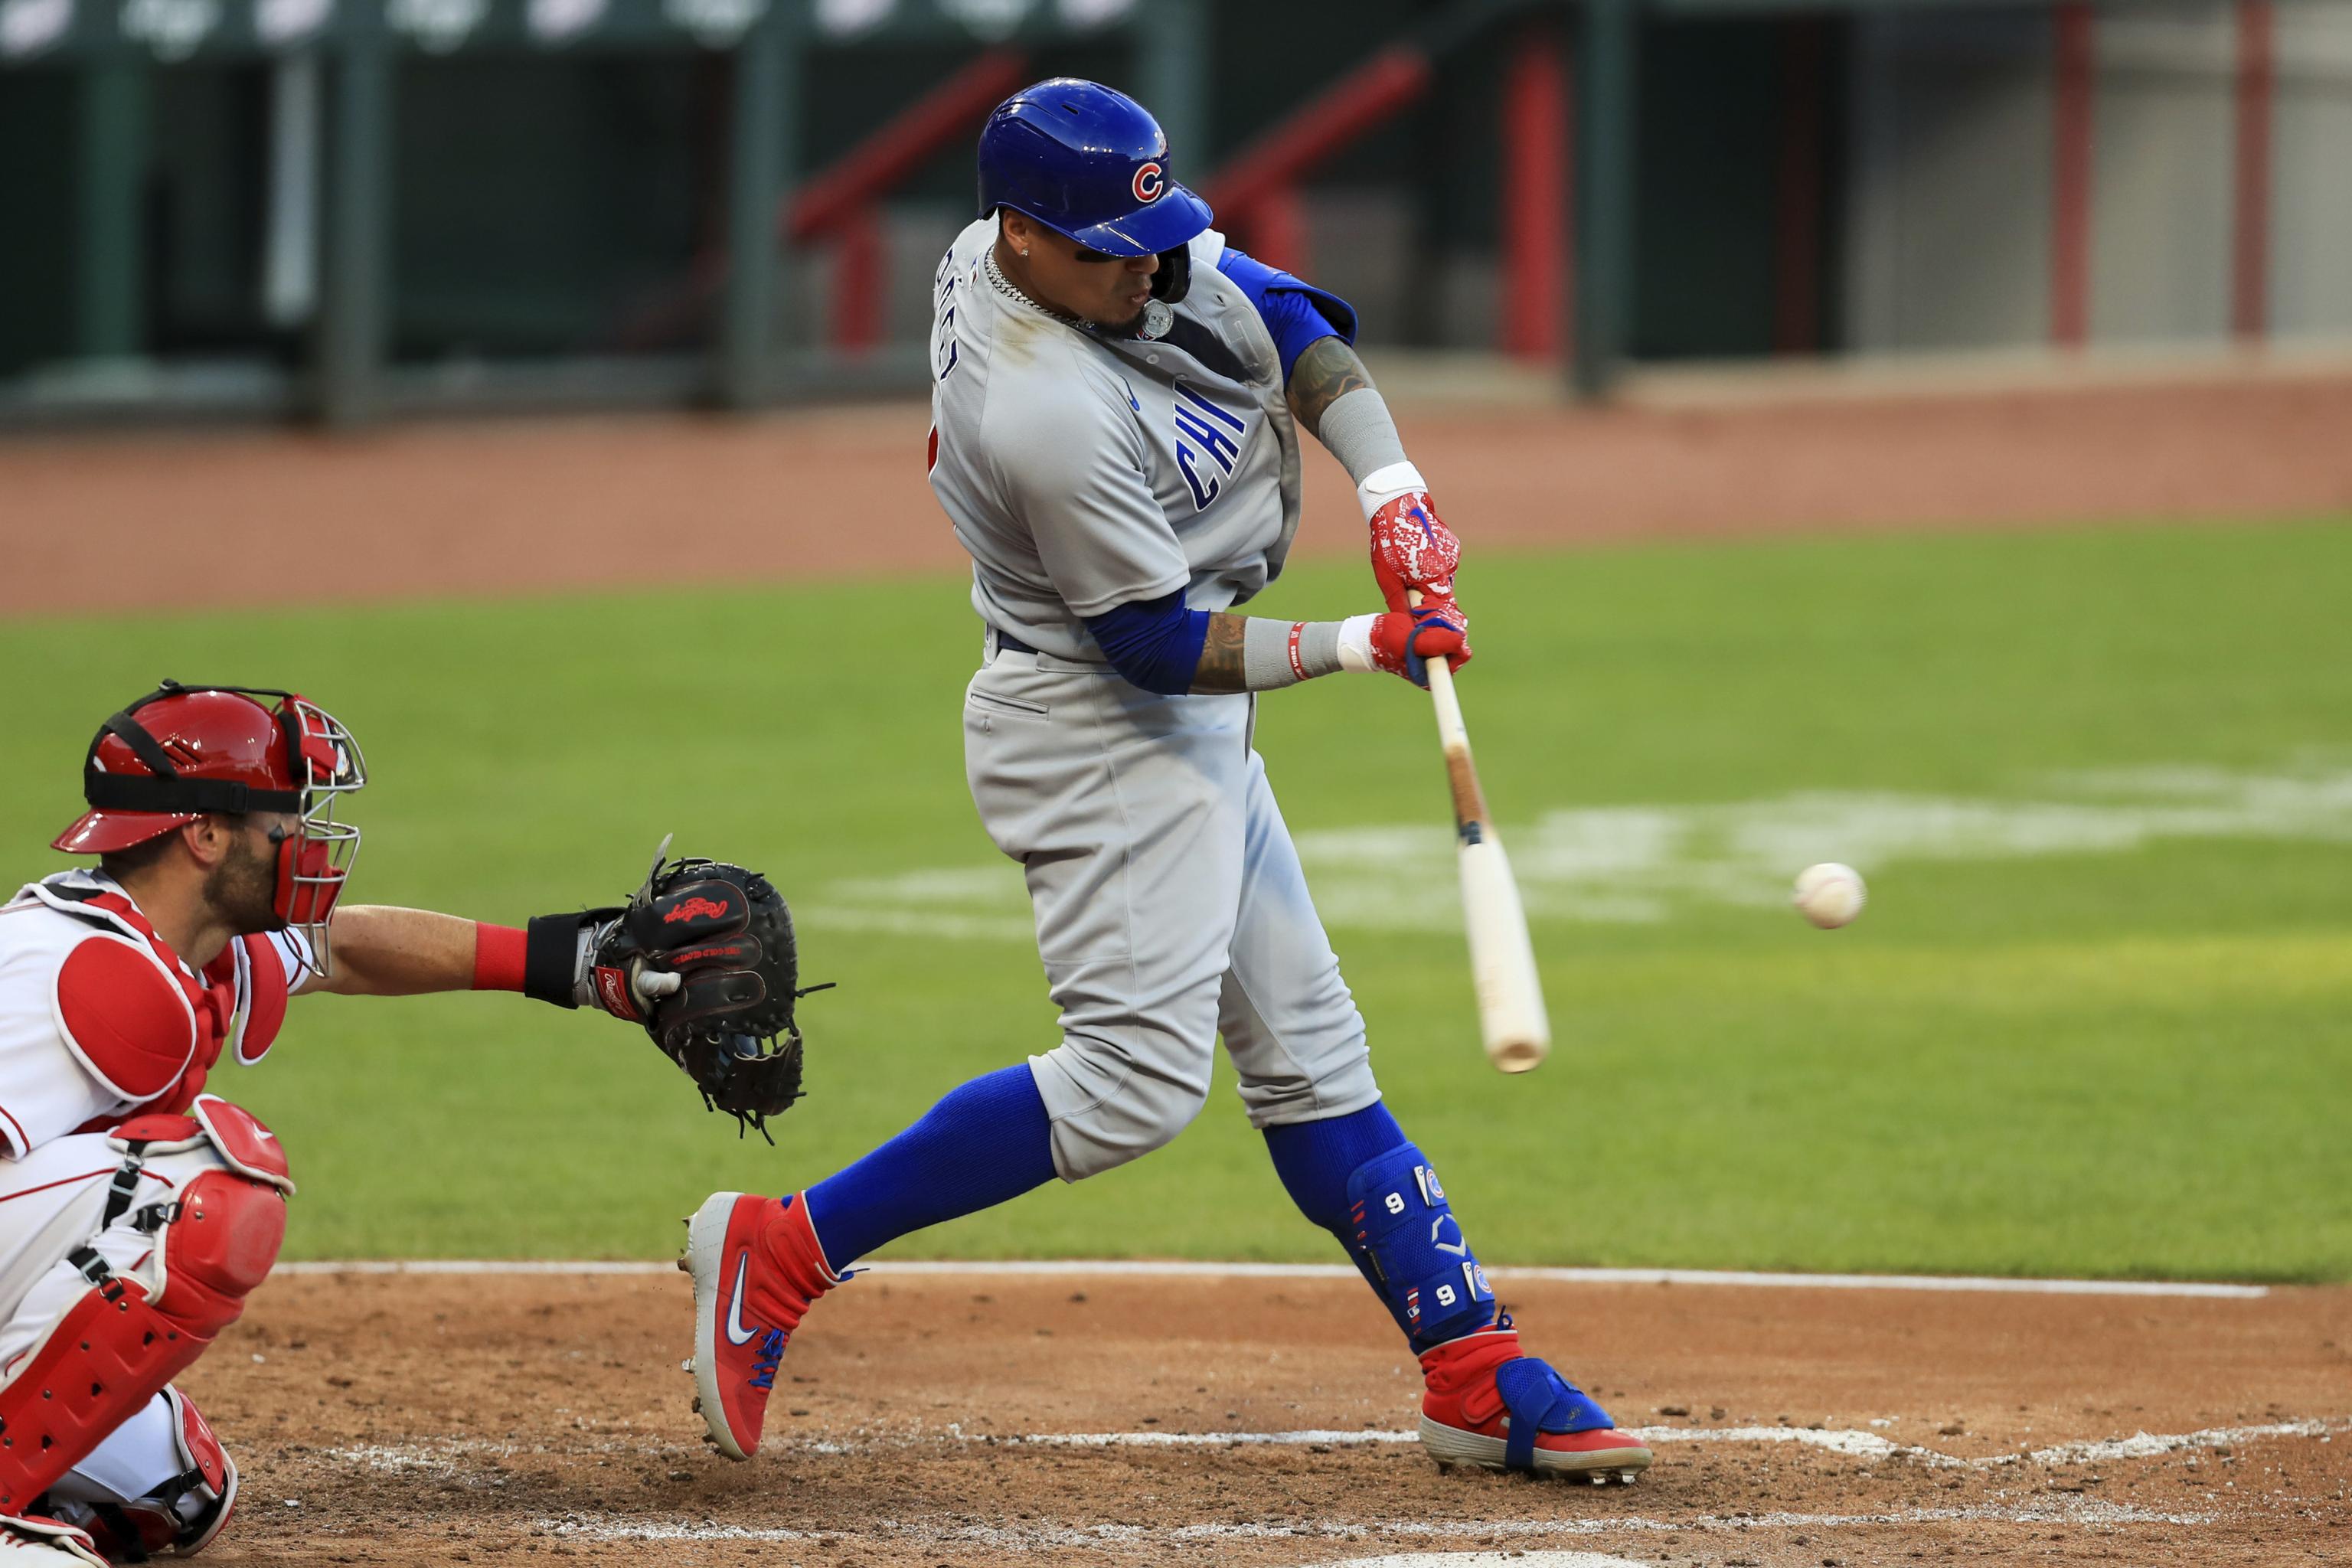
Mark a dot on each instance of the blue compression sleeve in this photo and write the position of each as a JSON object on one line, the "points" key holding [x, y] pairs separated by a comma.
{"points": [[1315, 1159], [1295, 312], [986, 1143], [1155, 643]]}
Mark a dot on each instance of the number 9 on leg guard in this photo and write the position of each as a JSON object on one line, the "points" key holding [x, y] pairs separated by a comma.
{"points": [[1405, 1230]]}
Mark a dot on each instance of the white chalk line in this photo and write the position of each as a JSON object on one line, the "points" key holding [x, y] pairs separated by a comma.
{"points": [[1490, 1560], [1643, 862], [2142, 1446], [1183, 1269], [1844, 1441], [444, 1455], [2065, 1510]]}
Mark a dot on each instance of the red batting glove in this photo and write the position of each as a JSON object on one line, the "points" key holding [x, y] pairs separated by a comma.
{"points": [[1412, 549], [1404, 640]]}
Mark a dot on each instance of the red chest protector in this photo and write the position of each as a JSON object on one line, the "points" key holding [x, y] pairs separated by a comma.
{"points": [[148, 1030]]}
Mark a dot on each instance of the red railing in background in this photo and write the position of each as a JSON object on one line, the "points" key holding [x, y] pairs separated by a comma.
{"points": [[1255, 194], [839, 203]]}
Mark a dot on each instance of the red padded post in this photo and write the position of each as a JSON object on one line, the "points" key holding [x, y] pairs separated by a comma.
{"points": [[2073, 84], [1537, 186], [2249, 247]]}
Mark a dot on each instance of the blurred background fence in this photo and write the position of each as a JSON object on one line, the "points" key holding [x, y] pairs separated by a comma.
{"points": [[343, 209]]}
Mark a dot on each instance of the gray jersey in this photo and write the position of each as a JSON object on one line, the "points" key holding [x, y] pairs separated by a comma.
{"points": [[1084, 471]]}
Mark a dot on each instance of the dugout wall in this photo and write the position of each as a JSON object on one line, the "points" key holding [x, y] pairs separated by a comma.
{"points": [[347, 208], [2125, 176]]}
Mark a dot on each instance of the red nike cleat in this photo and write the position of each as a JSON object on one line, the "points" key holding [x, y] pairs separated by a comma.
{"points": [[756, 1266], [1491, 1404]]}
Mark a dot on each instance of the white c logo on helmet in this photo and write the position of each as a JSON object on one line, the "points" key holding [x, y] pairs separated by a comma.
{"points": [[1149, 181]]}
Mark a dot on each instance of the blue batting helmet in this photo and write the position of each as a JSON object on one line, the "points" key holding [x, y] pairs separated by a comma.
{"points": [[1089, 163]]}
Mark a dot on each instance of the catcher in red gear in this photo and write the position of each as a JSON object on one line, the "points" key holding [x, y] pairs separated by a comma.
{"points": [[138, 1209]]}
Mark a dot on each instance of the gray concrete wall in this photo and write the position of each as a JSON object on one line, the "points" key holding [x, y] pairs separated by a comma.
{"points": [[2163, 148], [1949, 227], [2311, 180], [1948, 201]]}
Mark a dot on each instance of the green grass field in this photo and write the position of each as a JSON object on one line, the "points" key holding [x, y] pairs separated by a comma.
{"points": [[2097, 1019]]}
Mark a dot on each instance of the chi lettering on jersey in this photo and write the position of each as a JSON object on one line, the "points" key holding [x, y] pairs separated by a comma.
{"points": [[1208, 444]]}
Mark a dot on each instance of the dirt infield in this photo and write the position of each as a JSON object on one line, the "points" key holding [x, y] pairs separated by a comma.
{"points": [[979, 1419], [92, 522]]}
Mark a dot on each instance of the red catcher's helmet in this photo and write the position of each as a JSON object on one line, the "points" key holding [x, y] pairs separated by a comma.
{"points": [[181, 752]]}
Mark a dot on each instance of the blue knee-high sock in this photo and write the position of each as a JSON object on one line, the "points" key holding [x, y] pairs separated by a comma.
{"points": [[1315, 1159], [987, 1142]]}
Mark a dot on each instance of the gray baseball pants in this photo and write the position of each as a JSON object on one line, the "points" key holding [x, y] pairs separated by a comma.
{"points": [[1170, 908]]}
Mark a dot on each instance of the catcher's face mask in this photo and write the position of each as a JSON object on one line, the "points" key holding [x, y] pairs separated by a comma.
{"points": [[181, 752]]}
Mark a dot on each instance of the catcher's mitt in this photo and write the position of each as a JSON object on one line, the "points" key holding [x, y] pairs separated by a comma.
{"points": [[708, 948]]}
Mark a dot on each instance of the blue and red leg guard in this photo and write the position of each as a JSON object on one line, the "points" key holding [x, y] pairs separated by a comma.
{"points": [[1401, 1230], [1486, 1402]]}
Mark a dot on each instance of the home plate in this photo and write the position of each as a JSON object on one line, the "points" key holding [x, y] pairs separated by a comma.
{"points": [[1492, 1560]]}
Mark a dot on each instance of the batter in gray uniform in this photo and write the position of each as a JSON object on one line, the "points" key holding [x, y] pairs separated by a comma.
{"points": [[1170, 903], [1116, 408]]}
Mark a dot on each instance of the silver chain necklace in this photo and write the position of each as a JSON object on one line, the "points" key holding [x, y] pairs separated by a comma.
{"points": [[1158, 314], [1007, 287]]}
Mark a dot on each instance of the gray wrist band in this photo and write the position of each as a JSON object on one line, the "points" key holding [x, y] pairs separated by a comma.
{"points": [[1270, 661], [1361, 434]]}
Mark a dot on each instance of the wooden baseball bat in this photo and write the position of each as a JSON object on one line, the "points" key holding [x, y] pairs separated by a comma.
{"points": [[1511, 1016]]}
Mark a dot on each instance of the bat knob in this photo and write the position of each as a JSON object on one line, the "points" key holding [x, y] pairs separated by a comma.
{"points": [[1519, 1056]]}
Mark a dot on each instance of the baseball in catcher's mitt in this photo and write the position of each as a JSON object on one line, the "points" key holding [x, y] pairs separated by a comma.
{"points": [[704, 957]]}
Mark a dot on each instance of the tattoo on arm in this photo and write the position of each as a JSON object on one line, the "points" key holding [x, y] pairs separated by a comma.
{"points": [[1326, 373], [1222, 667]]}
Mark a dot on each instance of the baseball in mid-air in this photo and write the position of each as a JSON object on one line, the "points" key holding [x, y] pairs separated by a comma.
{"points": [[1830, 895]]}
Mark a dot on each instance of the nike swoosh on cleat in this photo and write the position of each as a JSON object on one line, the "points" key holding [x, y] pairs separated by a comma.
{"points": [[736, 1333]]}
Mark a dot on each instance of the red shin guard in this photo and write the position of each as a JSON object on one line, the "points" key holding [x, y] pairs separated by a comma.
{"points": [[113, 1350]]}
